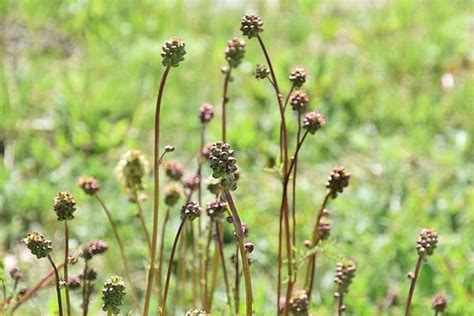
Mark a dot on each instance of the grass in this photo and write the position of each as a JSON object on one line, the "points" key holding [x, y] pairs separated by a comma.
{"points": [[78, 86]]}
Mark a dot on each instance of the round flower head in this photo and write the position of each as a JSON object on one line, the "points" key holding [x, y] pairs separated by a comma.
{"points": [[196, 312], [64, 206], [191, 182], [174, 170], [223, 165], [112, 294], [92, 248], [38, 244], [206, 112], [299, 303], [131, 169], [172, 194], [74, 283], [235, 52], [440, 302], [251, 25], [313, 121], [338, 180], [15, 273], [173, 52], [190, 211], [298, 76], [216, 208], [261, 72], [427, 241], [299, 100], [88, 184], [345, 272]]}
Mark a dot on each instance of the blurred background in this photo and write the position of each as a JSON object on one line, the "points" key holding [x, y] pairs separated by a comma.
{"points": [[393, 78]]}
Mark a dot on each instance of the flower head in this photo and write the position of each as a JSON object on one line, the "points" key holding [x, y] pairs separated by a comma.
{"points": [[190, 211], [206, 112], [174, 170], [298, 76], [251, 25], [15, 273], [299, 303], [338, 180], [427, 241], [440, 302], [299, 100], [64, 206], [313, 121], [112, 294], [173, 52], [216, 208], [345, 272], [172, 194], [196, 312], [88, 184], [261, 72], [38, 244], [74, 283], [191, 182], [235, 51], [223, 164], [92, 248], [131, 169]]}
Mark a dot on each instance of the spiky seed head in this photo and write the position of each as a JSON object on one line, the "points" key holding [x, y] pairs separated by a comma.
{"points": [[427, 241], [173, 52], [112, 294], [299, 303], [345, 272], [172, 194], [440, 302], [313, 121], [235, 52], [64, 206], [92, 248], [190, 211], [298, 76], [216, 208], [223, 165], [251, 25], [299, 99], [131, 169], [174, 170], [338, 180], [38, 244], [261, 72], [206, 112], [88, 184]]}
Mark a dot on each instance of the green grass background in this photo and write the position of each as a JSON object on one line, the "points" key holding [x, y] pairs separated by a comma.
{"points": [[78, 83]]}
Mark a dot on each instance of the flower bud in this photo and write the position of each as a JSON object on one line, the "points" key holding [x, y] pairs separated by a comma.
{"points": [[299, 303], [216, 208], [261, 72], [90, 275], [64, 206], [249, 247], [338, 180], [190, 211], [440, 302], [172, 194], [38, 244], [251, 25], [92, 248], [169, 148], [235, 52], [131, 169], [206, 112], [88, 184], [345, 272], [74, 283], [15, 274], [299, 100], [298, 76], [173, 52], [223, 164], [313, 121], [112, 294], [427, 241], [191, 182], [174, 170]]}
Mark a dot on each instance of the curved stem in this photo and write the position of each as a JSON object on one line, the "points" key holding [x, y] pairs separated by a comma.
{"points": [[66, 263], [141, 215], [156, 193], [120, 243], [58, 288], [170, 266], [243, 253], [225, 99], [160, 254], [412, 285]]}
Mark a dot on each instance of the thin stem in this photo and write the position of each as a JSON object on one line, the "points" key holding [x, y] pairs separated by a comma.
{"points": [[160, 255], [340, 305], [156, 193], [288, 96], [202, 259], [66, 263], [315, 241], [243, 253], [120, 243], [219, 236], [41, 283], [412, 285], [85, 304], [193, 270], [237, 281], [225, 99], [170, 266], [215, 262], [141, 215], [58, 288]]}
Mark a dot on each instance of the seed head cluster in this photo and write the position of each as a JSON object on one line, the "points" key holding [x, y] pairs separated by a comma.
{"points": [[88, 184], [172, 194], [223, 164], [174, 170], [173, 52], [345, 272], [92, 248], [235, 52], [338, 180], [261, 72], [299, 100], [313, 121], [427, 241], [206, 112], [440, 302], [112, 294], [299, 303], [251, 25], [131, 170], [216, 208], [190, 211], [298, 76], [64, 206], [196, 312], [38, 244]]}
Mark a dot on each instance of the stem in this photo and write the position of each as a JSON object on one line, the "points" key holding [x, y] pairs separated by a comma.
{"points": [[170, 265], [340, 308], [202, 259], [37, 287], [225, 99], [58, 288], [315, 241], [412, 285], [160, 255], [219, 236], [141, 215], [120, 243], [237, 281], [215, 262], [66, 257], [85, 304], [245, 262], [156, 205]]}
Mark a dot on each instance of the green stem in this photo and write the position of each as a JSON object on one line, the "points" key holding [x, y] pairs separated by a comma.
{"points": [[66, 263], [219, 236], [225, 99], [141, 215], [156, 204], [160, 255], [58, 288]]}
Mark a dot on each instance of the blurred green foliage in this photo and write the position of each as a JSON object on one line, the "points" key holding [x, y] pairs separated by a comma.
{"points": [[393, 78]]}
